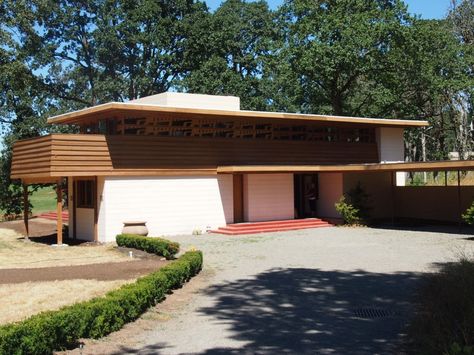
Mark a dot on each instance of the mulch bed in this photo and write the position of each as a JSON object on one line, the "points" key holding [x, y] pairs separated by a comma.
{"points": [[103, 272]]}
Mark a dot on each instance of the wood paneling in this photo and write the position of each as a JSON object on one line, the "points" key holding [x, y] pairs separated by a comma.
{"points": [[98, 155]]}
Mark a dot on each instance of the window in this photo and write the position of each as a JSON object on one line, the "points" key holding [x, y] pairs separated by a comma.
{"points": [[85, 194]]}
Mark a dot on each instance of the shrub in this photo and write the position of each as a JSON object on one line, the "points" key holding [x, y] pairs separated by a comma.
{"points": [[158, 246], [57, 330], [468, 216], [349, 213], [445, 317]]}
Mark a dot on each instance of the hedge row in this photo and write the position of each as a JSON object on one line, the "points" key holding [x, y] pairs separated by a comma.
{"points": [[61, 329], [158, 246]]}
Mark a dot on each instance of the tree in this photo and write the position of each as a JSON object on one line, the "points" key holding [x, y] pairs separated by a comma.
{"points": [[338, 50], [58, 56], [96, 51], [237, 44], [20, 108]]}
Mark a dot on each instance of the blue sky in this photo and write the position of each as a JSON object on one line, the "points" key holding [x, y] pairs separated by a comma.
{"points": [[428, 9]]}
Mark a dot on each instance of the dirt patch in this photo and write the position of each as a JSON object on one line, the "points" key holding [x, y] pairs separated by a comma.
{"points": [[102, 272], [39, 227]]}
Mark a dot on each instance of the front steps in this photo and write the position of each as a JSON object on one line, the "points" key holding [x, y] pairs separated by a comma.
{"points": [[271, 226], [54, 216]]}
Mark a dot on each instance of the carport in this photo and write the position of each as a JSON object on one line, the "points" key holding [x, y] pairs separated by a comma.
{"points": [[391, 199]]}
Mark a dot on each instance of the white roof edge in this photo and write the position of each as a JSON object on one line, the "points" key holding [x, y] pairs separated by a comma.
{"points": [[290, 114]]}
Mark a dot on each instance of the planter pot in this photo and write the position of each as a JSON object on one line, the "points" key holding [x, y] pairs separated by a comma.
{"points": [[135, 227]]}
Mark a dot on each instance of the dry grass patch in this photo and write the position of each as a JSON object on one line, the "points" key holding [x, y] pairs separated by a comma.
{"points": [[16, 253], [20, 301]]}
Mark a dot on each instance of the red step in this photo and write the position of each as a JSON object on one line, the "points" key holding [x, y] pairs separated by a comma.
{"points": [[271, 226], [54, 215], [292, 222], [300, 223]]}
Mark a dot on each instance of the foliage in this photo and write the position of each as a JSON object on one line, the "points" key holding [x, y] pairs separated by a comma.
{"points": [[354, 206], [238, 42], [444, 322], [349, 213], [350, 57], [61, 329], [340, 51], [153, 245], [468, 215]]}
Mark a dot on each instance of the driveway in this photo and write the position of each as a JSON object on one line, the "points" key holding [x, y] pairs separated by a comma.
{"points": [[319, 291]]}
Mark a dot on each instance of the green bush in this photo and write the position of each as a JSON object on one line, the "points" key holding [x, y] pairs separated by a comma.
{"points": [[349, 213], [61, 329], [444, 322], [158, 246], [468, 216]]}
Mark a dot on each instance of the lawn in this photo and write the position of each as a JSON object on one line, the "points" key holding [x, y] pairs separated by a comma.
{"points": [[15, 253], [43, 200], [21, 300]]}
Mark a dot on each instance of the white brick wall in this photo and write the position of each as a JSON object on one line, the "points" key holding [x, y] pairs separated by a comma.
{"points": [[169, 205], [390, 144]]}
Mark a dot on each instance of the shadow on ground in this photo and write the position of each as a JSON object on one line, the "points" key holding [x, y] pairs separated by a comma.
{"points": [[415, 226], [300, 310]]}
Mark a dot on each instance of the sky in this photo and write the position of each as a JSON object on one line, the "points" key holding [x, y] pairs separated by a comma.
{"points": [[427, 9]]}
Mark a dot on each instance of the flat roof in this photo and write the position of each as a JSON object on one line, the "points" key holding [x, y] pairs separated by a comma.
{"points": [[448, 165], [121, 108]]}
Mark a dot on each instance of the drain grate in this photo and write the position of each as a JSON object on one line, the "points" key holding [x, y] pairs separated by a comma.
{"points": [[370, 313]]}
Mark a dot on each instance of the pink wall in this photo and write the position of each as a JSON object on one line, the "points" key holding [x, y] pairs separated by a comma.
{"points": [[268, 197]]}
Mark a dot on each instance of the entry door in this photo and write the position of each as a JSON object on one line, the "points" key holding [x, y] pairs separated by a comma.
{"points": [[306, 194], [84, 209], [238, 196]]}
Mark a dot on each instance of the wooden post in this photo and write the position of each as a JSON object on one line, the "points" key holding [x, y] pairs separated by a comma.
{"points": [[96, 210], [59, 211], [393, 183], [26, 211], [74, 210], [445, 178], [459, 201]]}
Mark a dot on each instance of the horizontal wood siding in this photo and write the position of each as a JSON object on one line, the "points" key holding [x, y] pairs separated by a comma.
{"points": [[96, 155]]}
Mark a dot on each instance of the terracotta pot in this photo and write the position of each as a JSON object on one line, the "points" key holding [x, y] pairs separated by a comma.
{"points": [[138, 228]]}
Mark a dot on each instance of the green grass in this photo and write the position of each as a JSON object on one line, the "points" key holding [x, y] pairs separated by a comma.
{"points": [[43, 200]]}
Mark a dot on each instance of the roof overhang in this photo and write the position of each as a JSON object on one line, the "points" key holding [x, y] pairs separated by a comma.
{"points": [[120, 108], [380, 167]]}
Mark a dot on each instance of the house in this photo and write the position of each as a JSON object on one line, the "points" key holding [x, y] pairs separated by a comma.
{"points": [[184, 162]]}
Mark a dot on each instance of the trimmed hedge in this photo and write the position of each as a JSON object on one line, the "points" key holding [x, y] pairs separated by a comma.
{"points": [[158, 246], [58, 330]]}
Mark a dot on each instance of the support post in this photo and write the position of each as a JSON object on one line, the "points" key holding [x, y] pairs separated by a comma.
{"points": [[74, 208], [26, 211], [445, 178], [459, 202], [96, 210], [393, 183], [59, 211]]}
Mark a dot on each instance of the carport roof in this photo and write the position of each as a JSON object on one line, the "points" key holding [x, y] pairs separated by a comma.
{"points": [[378, 167]]}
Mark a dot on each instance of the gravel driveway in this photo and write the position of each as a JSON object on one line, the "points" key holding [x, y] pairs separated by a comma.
{"points": [[308, 291]]}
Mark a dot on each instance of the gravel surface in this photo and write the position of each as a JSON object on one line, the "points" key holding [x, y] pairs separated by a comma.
{"points": [[305, 291]]}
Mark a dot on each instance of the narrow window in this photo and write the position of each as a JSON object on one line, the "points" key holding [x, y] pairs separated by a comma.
{"points": [[85, 194]]}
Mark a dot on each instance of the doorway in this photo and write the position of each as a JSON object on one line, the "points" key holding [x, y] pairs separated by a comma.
{"points": [[306, 195], [85, 209]]}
